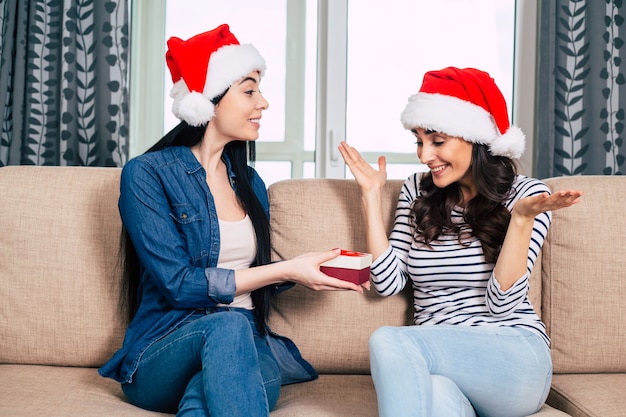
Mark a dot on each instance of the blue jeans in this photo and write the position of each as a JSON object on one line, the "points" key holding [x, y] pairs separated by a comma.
{"points": [[449, 371], [217, 364]]}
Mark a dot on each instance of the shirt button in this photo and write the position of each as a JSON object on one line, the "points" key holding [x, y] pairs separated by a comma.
{"points": [[184, 216]]}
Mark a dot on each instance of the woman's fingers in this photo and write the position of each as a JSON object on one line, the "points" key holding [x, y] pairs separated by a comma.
{"points": [[310, 276], [366, 176], [534, 205], [566, 198], [349, 154]]}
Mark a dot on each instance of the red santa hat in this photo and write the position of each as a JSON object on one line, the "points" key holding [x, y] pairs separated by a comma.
{"points": [[204, 67], [466, 103]]}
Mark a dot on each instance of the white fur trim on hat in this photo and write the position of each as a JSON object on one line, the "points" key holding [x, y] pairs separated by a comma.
{"points": [[456, 117], [511, 144], [191, 107], [226, 65]]}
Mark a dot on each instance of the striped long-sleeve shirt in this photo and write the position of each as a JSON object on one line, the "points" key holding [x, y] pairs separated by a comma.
{"points": [[452, 283]]}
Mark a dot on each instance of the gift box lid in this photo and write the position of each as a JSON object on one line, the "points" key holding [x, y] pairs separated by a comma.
{"points": [[350, 260]]}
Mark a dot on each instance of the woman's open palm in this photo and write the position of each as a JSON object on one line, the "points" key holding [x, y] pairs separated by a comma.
{"points": [[537, 204], [366, 177]]}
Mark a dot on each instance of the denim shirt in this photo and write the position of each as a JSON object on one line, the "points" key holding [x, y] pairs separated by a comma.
{"points": [[169, 213]]}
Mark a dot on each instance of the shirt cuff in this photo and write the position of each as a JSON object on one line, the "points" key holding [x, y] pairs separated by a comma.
{"points": [[496, 288], [380, 264], [221, 284]]}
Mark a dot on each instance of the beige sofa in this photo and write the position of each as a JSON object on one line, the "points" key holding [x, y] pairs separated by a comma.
{"points": [[59, 231]]}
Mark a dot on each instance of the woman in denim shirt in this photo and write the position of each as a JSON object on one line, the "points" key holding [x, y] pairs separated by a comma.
{"points": [[197, 271]]}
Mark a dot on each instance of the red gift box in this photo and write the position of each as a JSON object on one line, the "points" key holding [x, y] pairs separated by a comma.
{"points": [[349, 266]]}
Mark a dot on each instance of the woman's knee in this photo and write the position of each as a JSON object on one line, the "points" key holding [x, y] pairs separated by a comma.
{"points": [[231, 319], [226, 326], [381, 337], [222, 335]]}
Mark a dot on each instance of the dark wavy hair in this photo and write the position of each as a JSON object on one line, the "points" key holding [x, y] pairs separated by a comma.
{"points": [[486, 215], [241, 155]]}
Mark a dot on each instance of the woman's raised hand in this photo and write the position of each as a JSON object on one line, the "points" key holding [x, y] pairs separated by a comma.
{"points": [[512, 262], [366, 177], [371, 182], [532, 206]]}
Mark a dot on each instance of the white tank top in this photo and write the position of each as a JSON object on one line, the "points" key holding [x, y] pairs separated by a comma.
{"points": [[237, 251]]}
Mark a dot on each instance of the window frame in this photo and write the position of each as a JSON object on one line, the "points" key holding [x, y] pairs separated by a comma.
{"points": [[147, 71]]}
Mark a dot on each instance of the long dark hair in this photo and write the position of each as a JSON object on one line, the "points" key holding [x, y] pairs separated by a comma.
{"points": [[485, 213], [241, 155]]}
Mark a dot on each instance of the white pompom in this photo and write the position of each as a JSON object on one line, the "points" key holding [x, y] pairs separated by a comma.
{"points": [[194, 108], [511, 144]]}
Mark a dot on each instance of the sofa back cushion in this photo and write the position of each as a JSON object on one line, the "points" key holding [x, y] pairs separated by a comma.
{"points": [[331, 328], [584, 280], [59, 240]]}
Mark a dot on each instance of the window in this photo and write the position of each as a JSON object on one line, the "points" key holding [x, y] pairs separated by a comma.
{"points": [[390, 48], [337, 69]]}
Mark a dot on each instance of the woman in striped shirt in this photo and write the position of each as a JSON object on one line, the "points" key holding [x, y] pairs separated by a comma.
{"points": [[466, 236]]}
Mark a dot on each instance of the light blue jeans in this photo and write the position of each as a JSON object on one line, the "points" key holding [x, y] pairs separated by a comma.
{"points": [[450, 371], [215, 365]]}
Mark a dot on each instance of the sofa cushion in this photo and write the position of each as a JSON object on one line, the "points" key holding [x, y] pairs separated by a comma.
{"points": [[330, 328], [583, 277], [345, 396], [315, 214], [328, 396], [34, 391], [58, 252], [53, 391], [589, 395]]}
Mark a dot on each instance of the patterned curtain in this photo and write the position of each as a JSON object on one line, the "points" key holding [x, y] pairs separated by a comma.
{"points": [[582, 91], [64, 82]]}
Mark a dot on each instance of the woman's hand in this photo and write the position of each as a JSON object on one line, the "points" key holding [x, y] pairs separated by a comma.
{"points": [[371, 183], [532, 206], [305, 270], [512, 262], [366, 177]]}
